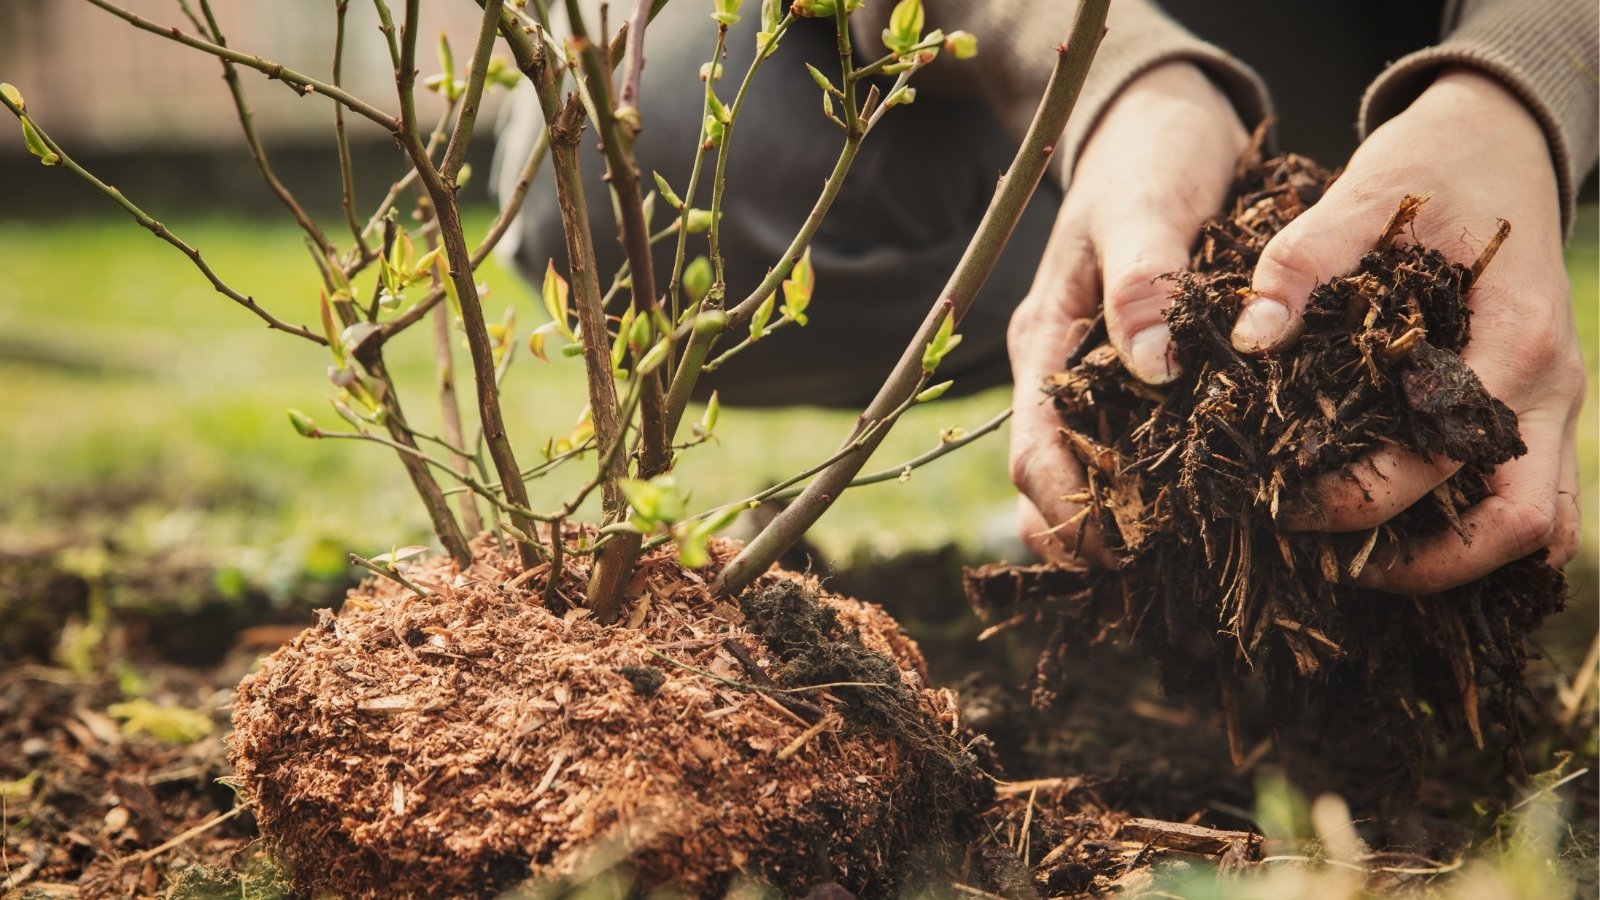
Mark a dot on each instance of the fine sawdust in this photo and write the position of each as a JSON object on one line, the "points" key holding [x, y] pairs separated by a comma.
{"points": [[458, 743], [1185, 485]]}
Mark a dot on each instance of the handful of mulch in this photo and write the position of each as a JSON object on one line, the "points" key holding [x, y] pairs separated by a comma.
{"points": [[1186, 483]]}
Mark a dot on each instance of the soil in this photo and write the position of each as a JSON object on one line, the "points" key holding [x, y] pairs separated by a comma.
{"points": [[458, 743], [1185, 485]]}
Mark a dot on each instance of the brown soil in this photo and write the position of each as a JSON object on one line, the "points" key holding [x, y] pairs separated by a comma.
{"points": [[458, 743], [1185, 484]]}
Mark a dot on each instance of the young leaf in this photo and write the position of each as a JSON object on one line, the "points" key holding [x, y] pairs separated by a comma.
{"points": [[708, 420], [539, 336], [555, 294], [944, 340], [905, 26], [727, 12], [697, 278], [13, 96], [763, 315], [329, 330], [797, 290], [36, 143]]}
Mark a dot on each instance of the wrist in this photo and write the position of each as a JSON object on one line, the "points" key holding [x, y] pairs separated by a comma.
{"points": [[1481, 105]]}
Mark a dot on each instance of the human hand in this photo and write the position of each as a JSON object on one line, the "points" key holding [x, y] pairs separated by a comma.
{"points": [[1131, 213], [1477, 152]]}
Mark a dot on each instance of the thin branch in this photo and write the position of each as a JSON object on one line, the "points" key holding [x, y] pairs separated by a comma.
{"points": [[347, 179], [392, 573], [895, 473], [982, 253], [301, 84], [456, 152], [622, 173], [161, 231], [502, 223], [230, 74]]}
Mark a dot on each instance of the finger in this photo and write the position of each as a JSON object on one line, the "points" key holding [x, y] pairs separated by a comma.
{"points": [[1073, 540], [1134, 252], [1568, 534], [1369, 492], [1521, 516], [1325, 241]]}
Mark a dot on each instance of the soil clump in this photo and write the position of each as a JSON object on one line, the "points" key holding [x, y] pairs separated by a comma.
{"points": [[1185, 485], [458, 743]]}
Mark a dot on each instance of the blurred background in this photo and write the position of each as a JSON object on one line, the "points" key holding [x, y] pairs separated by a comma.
{"points": [[143, 413]]}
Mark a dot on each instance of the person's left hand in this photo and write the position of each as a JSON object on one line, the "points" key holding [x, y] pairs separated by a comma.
{"points": [[1479, 155]]}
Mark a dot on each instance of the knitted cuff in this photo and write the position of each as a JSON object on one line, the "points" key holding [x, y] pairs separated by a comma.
{"points": [[1544, 52]]}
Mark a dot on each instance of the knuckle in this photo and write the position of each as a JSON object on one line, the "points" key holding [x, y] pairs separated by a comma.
{"points": [[1290, 259], [1531, 525], [1135, 282]]}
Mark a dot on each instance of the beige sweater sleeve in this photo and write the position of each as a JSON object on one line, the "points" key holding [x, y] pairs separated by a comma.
{"points": [[1547, 52], [1015, 54]]}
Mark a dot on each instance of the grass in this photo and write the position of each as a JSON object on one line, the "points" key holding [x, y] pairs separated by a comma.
{"points": [[130, 384]]}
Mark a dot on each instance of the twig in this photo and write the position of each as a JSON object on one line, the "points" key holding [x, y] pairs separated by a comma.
{"points": [[161, 231], [392, 574], [230, 74], [182, 837], [1038, 148], [301, 84], [456, 152], [895, 473], [341, 137]]}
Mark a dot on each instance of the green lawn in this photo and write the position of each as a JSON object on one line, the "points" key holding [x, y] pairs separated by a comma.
{"points": [[131, 389], [126, 376]]}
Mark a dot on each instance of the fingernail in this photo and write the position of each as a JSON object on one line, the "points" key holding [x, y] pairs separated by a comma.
{"points": [[1260, 326], [1150, 356]]}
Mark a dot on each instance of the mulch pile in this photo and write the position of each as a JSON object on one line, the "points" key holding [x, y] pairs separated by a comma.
{"points": [[1185, 483], [458, 743]]}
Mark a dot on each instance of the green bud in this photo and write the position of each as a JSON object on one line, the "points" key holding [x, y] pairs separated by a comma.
{"points": [[901, 97], [503, 74], [699, 220], [711, 321], [714, 131], [303, 424], [758, 322], [821, 79], [639, 334], [666, 191], [36, 143], [13, 96], [710, 72], [464, 175], [934, 392], [708, 421], [697, 278], [771, 16], [655, 357], [944, 340], [961, 44], [814, 9]]}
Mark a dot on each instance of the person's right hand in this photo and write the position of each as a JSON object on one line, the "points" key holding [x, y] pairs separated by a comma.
{"points": [[1158, 164]]}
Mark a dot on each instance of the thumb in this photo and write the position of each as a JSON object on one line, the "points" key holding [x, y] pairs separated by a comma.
{"points": [[1323, 242], [1133, 257]]}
